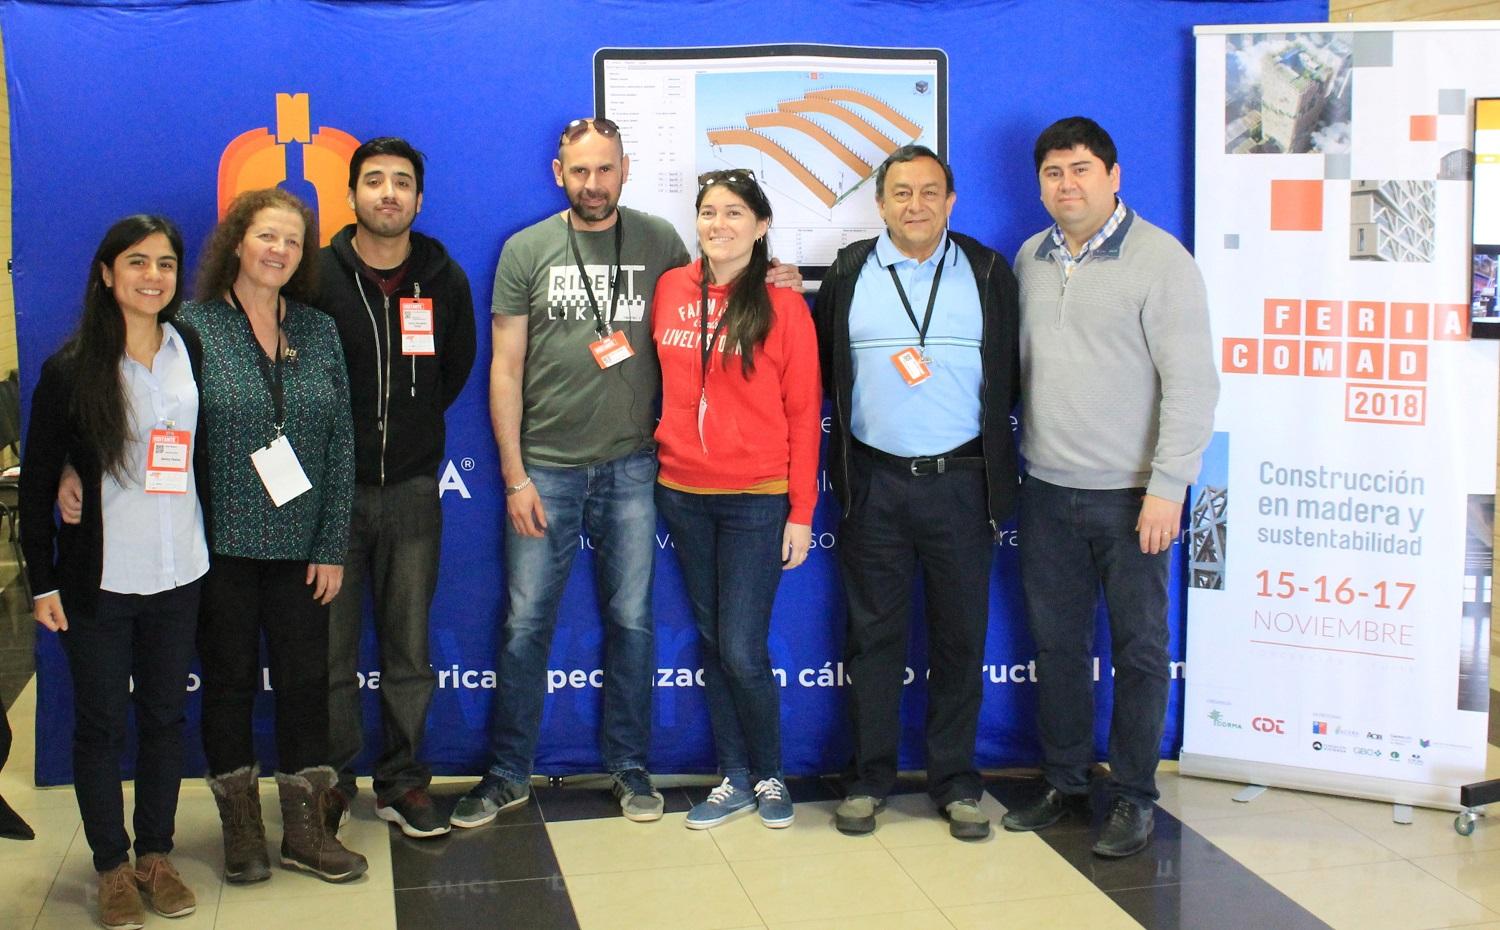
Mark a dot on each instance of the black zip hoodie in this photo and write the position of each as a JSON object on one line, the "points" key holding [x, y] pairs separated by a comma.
{"points": [[398, 400]]}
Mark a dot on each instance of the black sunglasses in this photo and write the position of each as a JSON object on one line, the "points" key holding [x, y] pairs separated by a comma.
{"points": [[726, 176], [602, 125]]}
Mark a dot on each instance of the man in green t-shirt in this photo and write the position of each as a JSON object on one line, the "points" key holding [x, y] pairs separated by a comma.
{"points": [[573, 386]]}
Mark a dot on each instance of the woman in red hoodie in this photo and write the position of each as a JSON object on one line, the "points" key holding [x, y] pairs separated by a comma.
{"points": [[741, 404]]}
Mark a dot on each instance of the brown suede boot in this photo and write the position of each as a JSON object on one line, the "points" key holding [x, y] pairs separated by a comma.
{"points": [[238, 796], [306, 841], [158, 878], [120, 905]]}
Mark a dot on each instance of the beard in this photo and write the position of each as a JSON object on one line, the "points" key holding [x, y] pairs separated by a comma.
{"points": [[383, 225], [593, 213]]}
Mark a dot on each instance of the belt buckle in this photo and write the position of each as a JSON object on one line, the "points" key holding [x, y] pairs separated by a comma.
{"points": [[925, 465]]}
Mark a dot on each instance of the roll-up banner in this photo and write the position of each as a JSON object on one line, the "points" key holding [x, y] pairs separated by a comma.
{"points": [[1339, 600]]}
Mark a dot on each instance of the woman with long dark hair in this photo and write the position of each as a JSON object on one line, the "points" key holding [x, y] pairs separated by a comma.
{"points": [[279, 453], [738, 446], [120, 402]]}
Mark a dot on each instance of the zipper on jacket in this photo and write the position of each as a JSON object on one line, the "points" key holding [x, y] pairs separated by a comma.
{"points": [[382, 376], [385, 410], [416, 288]]}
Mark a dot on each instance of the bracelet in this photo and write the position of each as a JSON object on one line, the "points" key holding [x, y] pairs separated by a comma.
{"points": [[517, 488]]}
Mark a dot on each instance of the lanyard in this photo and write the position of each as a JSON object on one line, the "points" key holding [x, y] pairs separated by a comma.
{"points": [[705, 339], [602, 325], [937, 279], [273, 381]]}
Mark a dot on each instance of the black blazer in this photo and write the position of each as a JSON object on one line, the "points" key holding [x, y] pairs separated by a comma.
{"points": [[999, 359], [70, 557]]}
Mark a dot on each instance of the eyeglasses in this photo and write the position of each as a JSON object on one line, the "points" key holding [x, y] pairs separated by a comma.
{"points": [[726, 176], [575, 130]]}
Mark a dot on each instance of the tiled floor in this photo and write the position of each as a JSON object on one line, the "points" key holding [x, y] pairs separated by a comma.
{"points": [[566, 861]]}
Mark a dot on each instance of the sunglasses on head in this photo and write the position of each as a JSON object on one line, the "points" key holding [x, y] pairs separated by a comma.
{"points": [[726, 176], [602, 125]]}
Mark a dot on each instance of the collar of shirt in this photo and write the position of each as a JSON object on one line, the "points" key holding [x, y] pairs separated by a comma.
{"points": [[887, 254], [171, 341], [1069, 261]]}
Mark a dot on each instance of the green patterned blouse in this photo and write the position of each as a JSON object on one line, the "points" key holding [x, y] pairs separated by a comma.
{"points": [[239, 419]]}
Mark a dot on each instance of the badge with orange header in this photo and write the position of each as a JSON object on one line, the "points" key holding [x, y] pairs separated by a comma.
{"points": [[416, 326], [912, 366], [612, 349], [167, 461]]}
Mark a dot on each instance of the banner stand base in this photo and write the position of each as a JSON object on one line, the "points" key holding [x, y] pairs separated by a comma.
{"points": [[1439, 797]]}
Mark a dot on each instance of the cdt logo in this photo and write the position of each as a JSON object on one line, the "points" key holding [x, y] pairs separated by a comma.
{"points": [[1268, 725], [312, 165]]}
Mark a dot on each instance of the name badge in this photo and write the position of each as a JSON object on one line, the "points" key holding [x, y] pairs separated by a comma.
{"points": [[912, 366], [416, 326], [612, 349], [167, 461], [280, 471]]}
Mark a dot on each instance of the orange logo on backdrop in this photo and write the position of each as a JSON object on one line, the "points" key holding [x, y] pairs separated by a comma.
{"points": [[258, 159]]}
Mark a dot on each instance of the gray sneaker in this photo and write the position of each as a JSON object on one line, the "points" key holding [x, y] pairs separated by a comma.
{"points": [[856, 815], [965, 820], [639, 800], [488, 798]]}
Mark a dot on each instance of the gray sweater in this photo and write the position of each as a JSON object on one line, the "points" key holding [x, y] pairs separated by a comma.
{"points": [[1117, 363]]}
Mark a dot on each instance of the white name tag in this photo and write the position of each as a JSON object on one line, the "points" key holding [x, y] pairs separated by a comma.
{"points": [[280, 471]]}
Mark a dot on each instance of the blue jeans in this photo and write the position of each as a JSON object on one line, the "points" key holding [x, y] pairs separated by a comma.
{"points": [[1072, 542], [613, 501], [729, 547]]}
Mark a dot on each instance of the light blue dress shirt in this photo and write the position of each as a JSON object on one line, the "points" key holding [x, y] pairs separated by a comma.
{"points": [[942, 412], [153, 542]]}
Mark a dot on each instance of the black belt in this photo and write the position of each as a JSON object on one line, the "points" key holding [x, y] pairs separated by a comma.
{"points": [[970, 455]]}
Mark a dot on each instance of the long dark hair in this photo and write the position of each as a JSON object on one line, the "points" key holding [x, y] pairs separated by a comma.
{"points": [[747, 317], [219, 265], [95, 349]]}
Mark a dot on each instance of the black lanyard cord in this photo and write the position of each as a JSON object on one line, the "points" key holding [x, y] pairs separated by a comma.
{"points": [[269, 370], [937, 279], [602, 325]]}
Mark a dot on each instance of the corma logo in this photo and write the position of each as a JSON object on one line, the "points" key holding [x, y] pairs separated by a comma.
{"points": [[312, 165], [1217, 717]]}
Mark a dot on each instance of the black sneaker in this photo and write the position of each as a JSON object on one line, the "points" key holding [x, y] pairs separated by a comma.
{"points": [[488, 798], [1046, 810], [414, 814], [1127, 830], [639, 799]]}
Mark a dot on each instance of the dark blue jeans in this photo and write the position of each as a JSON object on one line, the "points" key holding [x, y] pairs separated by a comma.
{"points": [[729, 547], [147, 638], [613, 501], [1073, 542], [394, 537]]}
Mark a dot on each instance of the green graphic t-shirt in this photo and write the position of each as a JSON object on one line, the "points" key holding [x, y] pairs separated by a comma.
{"points": [[574, 412]]}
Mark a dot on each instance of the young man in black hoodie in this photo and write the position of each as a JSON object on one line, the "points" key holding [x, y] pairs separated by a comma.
{"points": [[405, 317]]}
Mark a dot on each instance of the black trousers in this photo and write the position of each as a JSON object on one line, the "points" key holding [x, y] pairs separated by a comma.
{"points": [[897, 521], [146, 639], [393, 541], [243, 599]]}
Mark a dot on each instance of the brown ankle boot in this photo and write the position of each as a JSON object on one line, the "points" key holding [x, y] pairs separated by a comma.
{"points": [[120, 905], [238, 796], [306, 841], [169, 894]]}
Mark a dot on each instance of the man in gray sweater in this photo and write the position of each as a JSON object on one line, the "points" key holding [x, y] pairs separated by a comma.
{"points": [[1118, 398]]}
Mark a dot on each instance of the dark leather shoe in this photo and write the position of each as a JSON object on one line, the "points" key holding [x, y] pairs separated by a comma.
{"points": [[1126, 831], [12, 827], [1051, 807]]}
